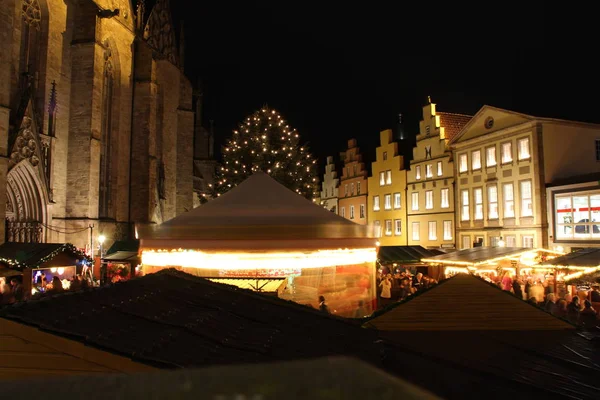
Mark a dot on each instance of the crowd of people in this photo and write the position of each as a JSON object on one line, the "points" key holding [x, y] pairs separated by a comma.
{"points": [[577, 308], [400, 285]]}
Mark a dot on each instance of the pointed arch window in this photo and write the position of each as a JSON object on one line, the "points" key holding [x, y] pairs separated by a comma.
{"points": [[30, 41], [105, 200]]}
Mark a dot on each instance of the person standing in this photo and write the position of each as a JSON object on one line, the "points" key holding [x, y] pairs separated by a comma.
{"points": [[322, 306], [386, 290]]}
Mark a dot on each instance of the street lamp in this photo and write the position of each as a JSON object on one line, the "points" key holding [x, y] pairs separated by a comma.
{"points": [[101, 240]]}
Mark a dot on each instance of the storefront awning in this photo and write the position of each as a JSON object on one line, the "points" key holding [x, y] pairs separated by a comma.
{"points": [[405, 254], [481, 255], [124, 256]]}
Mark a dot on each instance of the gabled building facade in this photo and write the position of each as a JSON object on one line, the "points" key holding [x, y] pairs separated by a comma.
{"points": [[504, 162], [353, 187], [329, 187], [387, 193], [430, 181]]}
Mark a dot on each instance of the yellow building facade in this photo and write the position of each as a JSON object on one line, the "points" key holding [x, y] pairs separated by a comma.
{"points": [[430, 181], [387, 193], [504, 161]]}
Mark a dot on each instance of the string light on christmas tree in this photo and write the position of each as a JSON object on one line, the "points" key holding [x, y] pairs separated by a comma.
{"points": [[265, 142]]}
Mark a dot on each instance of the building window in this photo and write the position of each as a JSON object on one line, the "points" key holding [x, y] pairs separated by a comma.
{"points": [[510, 241], [415, 201], [490, 158], [429, 199], [432, 230], [349, 171], [494, 241], [325, 192], [387, 202], [375, 203], [528, 241], [464, 214], [397, 201], [526, 203], [352, 189], [440, 168], [362, 211], [445, 195], [351, 212], [343, 212], [31, 19], [388, 177], [382, 178], [355, 169], [597, 149], [398, 227], [478, 199], [447, 230], [466, 242], [507, 153], [415, 231], [493, 202], [388, 227], [384, 155], [577, 216], [476, 160], [509, 200], [418, 172], [357, 187], [377, 228], [427, 130], [524, 152], [105, 198], [429, 171], [463, 165], [346, 190]]}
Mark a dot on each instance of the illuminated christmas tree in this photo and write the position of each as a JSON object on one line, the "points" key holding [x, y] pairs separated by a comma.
{"points": [[264, 141]]}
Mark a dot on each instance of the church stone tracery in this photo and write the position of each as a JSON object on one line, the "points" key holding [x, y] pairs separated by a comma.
{"points": [[159, 32]]}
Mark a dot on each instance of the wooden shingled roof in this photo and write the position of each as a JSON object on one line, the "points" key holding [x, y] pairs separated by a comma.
{"points": [[466, 303]]}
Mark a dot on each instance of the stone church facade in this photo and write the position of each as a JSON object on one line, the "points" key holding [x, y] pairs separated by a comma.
{"points": [[96, 120]]}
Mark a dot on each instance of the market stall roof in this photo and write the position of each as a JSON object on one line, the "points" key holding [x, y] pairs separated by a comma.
{"points": [[172, 319], [589, 257], [336, 377], [125, 256], [22, 255], [465, 302], [268, 285], [132, 246], [480, 255], [259, 209], [405, 254]]}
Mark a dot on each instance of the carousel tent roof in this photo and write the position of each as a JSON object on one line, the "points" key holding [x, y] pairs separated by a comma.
{"points": [[405, 254], [259, 208], [466, 303], [589, 257], [476, 255]]}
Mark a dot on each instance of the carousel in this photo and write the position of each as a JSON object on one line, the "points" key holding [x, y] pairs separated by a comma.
{"points": [[262, 230]]}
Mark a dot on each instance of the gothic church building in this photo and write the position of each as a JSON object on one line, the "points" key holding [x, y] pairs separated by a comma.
{"points": [[96, 120]]}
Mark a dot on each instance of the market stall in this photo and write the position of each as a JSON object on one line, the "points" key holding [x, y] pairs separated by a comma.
{"points": [[262, 229], [393, 258], [121, 262]]}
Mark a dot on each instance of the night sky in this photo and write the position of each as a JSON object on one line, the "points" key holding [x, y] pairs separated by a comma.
{"points": [[338, 70]]}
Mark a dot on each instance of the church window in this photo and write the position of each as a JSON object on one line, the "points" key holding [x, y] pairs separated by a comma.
{"points": [[30, 38], [105, 202]]}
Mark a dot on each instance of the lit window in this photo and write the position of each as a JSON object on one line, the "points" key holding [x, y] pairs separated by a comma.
{"points": [[526, 203], [447, 230], [429, 199], [362, 211], [432, 230], [466, 242], [490, 158], [384, 155], [429, 170], [388, 177], [345, 190], [382, 178], [507, 152], [415, 231], [388, 227], [357, 187], [440, 168], [343, 212], [377, 228], [418, 172], [352, 189], [524, 152], [398, 227], [375, 203], [510, 241], [444, 193], [509, 201], [476, 160], [351, 212], [415, 201], [463, 165], [387, 202], [493, 202], [397, 200], [464, 215], [528, 241], [478, 199]]}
